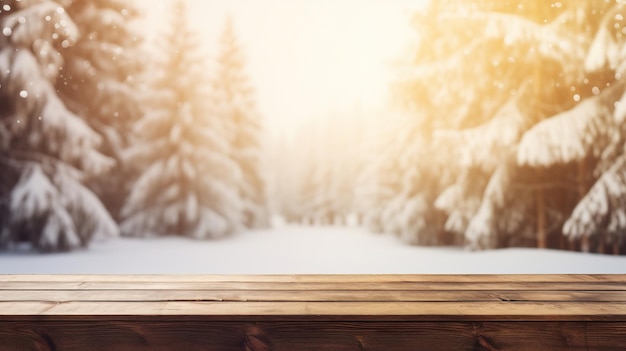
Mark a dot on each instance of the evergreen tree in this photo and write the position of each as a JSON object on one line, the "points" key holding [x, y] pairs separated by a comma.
{"points": [[285, 179], [345, 157], [545, 113], [47, 151], [189, 186], [601, 214], [591, 135], [320, 167], [303, 189], [236, 106], [99, 82]]}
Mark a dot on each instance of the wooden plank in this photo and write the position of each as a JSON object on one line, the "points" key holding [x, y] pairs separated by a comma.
{"points": [[70, 335], [413, 295], [85, 295], [349, 312], [336, 286], [334, 283], [501, 310], [323, 278]]}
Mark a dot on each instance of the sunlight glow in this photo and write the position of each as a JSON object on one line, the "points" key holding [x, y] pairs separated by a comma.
{"points": [[306, 59]]}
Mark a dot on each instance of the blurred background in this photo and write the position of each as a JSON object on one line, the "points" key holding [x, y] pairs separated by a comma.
{"points": [[476, 123]]}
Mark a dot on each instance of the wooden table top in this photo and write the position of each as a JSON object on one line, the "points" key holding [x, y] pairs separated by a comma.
{"points": [[362, 297]]}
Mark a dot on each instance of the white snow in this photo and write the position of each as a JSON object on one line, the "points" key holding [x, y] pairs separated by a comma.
{"points": [[33, 195], [570, 135], [301, 250], [605, 198]]}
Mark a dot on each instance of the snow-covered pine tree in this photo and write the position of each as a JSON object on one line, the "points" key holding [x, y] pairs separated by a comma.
{"points": [[318, 168], [525, 56], [442, 90], [381, 178], [285, 179], [347, 157], [236, 106], [189, 182], [47, 151], [483, 201], [601, 214], [331, 169], [396, 185], [99, 81], [307, 190], [591, 134]]}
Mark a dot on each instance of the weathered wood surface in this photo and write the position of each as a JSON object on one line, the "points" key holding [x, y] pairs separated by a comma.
{"points": [[313, 312]]}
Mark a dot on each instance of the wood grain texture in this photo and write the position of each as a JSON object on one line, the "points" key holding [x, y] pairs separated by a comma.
{"points": [[313, 312], [310, 335], [322, 278], [504, 310], [104, 295]]}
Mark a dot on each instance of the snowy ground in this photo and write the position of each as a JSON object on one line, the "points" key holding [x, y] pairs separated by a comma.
{"points": [[300, 250]]}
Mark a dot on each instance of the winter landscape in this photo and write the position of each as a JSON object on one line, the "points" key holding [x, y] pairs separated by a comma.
{"points": [[345, 136]]}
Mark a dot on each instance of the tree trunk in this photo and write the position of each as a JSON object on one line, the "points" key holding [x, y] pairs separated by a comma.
{"points": [[601, 243], [541, 220], [582, 191], [563, 243], [615, 249]]}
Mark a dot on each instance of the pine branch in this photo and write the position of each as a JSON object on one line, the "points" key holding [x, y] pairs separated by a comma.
{"points": [[605, 49], [573, 134], [50, 164], [487, 144], [602, 206], [548, 40]]}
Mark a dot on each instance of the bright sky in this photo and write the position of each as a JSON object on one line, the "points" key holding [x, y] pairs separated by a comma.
{"points": [[306, 58]]}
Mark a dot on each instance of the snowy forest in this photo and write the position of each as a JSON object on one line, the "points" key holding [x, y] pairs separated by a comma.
{"points": [[505, 128]]}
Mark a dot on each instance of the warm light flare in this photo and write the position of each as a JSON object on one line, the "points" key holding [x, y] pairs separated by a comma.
{"points": [[305, 58]]}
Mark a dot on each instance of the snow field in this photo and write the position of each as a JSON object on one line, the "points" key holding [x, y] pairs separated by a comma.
{"points": [[302, 250]]}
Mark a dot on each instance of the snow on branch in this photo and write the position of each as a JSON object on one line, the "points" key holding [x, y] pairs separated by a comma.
{"points": [[481, 230], [34, 194], [91, 218], [516, 30], [485, 144], [79, 142], [150, 222], [459, 205], [38, 195], [57, 129], [605, 201], [154, 179], [210, 225], [36, 199], [448, 199], [142, 153], [45, 19], [572, 134], [605, 49], [411, 218]]}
